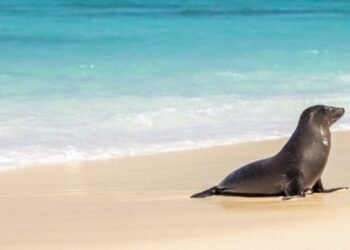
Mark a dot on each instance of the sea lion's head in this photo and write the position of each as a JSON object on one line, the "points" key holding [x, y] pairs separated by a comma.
{"points": [[321, 115]]}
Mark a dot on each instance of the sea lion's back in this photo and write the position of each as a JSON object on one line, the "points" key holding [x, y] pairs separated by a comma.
{"points": [[253, 178]]}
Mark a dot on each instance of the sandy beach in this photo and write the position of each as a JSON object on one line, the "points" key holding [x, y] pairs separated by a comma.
{"points": [[143, 203]]}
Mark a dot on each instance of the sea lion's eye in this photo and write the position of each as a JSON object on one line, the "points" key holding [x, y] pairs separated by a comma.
{"points": [[328, 109]]}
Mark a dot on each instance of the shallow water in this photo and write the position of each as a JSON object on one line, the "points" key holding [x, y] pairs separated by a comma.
{"points": [[91, 79]]}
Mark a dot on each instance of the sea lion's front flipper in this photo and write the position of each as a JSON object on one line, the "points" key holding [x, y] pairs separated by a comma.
{"points": [[318, 188], [289, 197], [294, 185]]}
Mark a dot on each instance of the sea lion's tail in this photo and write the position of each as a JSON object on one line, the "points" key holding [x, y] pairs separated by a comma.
{"points": [[209, 192]]}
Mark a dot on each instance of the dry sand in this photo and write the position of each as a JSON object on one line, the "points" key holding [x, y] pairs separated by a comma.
{"points": [[143, 203]]}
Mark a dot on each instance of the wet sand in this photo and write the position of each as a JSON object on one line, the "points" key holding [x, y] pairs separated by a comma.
{"points": [[143, 203]]}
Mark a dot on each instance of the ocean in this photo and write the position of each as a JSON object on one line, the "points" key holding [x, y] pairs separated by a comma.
{"points": [[95, 79]]}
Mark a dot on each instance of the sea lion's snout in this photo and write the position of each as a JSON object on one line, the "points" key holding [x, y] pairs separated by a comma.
{"points": [[335, 113], [340, 112]]}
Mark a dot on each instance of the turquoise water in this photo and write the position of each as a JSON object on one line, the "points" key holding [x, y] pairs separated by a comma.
{"points": [[96, 79]]}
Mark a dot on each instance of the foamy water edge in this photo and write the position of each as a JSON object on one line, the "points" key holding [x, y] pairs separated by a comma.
{"points": [[77, 157]]}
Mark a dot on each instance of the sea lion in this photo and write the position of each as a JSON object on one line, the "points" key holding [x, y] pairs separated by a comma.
{"points": [[293, 171]]}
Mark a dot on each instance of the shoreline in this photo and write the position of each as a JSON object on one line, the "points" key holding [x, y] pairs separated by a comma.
{"points": [[142, 202], [203, 145], [152, 153]]}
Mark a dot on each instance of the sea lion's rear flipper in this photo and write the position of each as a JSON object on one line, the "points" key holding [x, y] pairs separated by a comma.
{"points": [[318, 188], [209, 192]]}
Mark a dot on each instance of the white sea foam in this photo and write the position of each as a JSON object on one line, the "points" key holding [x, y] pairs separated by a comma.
{"points": [[69, 129]]}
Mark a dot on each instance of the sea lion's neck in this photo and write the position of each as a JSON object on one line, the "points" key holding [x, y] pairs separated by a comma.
{"points": [[308, 135], [325, 136]]}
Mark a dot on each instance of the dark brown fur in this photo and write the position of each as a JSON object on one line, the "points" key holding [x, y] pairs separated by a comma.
{"points": [[295, 170]]}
